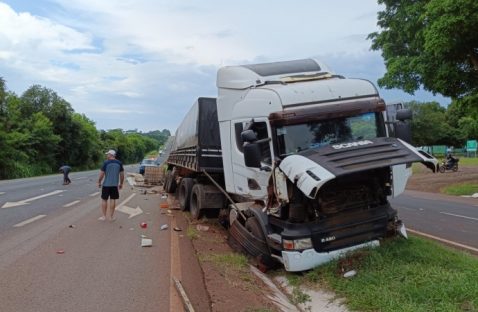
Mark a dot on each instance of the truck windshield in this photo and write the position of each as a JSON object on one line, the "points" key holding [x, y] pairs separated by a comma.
{"points": [[292, 139]]}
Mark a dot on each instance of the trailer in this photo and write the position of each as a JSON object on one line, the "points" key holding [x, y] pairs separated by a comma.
{"points": [[297, 159]]}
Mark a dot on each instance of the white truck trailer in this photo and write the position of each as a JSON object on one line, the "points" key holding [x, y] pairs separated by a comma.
{"points": [[298, 159]]}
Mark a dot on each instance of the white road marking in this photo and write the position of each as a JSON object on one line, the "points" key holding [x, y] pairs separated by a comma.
{"points": [[459, 216], [1, 193], [126, 200], [132, 212], [94, 194], [26, 201], [80, 178], [446, 241], [72, 203], [29, 220]]}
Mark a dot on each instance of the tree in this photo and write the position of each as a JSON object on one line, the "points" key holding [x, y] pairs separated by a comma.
{"points": [[429, 126], [429, 43]]}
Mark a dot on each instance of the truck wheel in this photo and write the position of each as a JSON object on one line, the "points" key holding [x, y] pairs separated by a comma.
{"points": [[185, 188], [253, 226], [170, 183], [197, 200]]}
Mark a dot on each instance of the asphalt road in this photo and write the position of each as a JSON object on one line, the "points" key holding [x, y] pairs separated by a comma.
{"points": [[67, 260], [446, 217]]}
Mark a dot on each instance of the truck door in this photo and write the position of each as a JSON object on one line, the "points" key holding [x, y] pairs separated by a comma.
{"points": [[250, 182]]}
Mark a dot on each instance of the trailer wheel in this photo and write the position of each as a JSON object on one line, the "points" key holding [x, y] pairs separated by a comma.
{"points": [[170, 186], [197, 199], [185, 188]]}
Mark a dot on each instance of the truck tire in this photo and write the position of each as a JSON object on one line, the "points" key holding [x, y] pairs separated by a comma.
{"points": [[170, 186], [184, 193], [197, 199], [253, 226]]}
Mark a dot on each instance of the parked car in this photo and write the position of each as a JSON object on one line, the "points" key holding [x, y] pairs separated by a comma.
{"points": [[147, 163]]}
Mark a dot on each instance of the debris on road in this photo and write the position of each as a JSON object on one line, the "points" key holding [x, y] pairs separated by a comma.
{"points": [[60, 251], [72, 226], [164, 227], [143, 225], [164, 205], [203, 228], [177, 229], [146, 242], [163, 196]]}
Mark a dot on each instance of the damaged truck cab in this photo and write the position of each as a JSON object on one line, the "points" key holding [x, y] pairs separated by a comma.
{"points": [[302, 156], [307, 154]]}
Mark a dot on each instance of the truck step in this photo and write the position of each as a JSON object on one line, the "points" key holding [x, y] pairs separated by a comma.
{"points": [[276, 238]]}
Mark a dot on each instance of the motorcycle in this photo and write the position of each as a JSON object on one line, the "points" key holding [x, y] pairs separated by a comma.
{"points": [[450, 163]]}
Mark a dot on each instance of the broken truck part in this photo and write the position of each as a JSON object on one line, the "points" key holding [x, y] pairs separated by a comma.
{"points": [[298, 160]]}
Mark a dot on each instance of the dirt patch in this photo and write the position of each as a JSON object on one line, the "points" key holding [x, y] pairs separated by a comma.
{"points": [[426, 181], [229, 282]]}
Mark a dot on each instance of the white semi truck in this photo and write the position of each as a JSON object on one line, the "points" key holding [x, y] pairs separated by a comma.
{"points": [[297, 158]]}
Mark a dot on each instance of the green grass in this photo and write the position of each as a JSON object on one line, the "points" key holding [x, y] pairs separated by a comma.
{"points": [[404, 275], [192, 233], [229, 260], [460, 189], [465, 161]]}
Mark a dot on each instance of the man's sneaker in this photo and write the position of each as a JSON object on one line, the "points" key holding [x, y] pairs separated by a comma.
{"points": [[102, 218]]}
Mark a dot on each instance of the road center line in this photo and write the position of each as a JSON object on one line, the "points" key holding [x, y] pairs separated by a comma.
{"points": [[72, 203], [446, 241], [459, 216], [94, 194], [29, 220]]}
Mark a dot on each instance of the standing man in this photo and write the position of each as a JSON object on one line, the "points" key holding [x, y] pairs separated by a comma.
{"points": [[113, 173]]}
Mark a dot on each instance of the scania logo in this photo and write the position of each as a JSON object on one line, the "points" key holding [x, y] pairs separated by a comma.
{"points": [[351, 144]]}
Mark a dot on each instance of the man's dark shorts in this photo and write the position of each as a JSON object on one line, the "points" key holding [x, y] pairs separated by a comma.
{"points": [[109, 191]]}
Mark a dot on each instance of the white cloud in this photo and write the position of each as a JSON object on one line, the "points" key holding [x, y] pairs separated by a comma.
{"points": [[111, 58]]}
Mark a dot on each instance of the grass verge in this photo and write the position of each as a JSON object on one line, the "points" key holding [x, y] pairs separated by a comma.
{"points": [[404, 275], [460, 189]]}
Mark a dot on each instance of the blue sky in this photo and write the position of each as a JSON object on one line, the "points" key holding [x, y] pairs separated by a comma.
{"points": [[141, 64]]}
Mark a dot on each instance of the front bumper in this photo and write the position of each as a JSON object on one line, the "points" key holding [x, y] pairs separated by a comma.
{"points": [[295, 261]]}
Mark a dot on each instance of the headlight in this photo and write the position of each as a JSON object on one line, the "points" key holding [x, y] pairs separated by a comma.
{"points": [[297, 244]]}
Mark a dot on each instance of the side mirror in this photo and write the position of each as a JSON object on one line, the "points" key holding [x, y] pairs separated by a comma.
{"points": [[252, 155], [404, 114], [403, 131], [248, 136]]}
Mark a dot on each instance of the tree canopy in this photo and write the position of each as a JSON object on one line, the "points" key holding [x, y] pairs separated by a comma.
{"points": [[429, 43], [40, 131]]}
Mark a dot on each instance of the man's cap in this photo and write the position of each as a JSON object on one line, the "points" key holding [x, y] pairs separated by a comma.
{"points": [[111, 152]]}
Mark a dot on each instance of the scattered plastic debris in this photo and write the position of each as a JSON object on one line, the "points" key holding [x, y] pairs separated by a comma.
{"points": [[60, 251], [146, 242], [143, 236], [203, 228], [164, 227], [163, 205], [349, 274], [177, 229], [164, 196], [72, 226], [131, 229], [169, 211], [143, 225]]}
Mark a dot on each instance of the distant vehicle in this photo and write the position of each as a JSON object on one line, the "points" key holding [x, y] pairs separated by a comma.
{"points": [[147, 163]]}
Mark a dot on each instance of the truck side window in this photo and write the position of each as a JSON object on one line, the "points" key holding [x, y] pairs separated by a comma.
{"points": [[260, 128]]}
